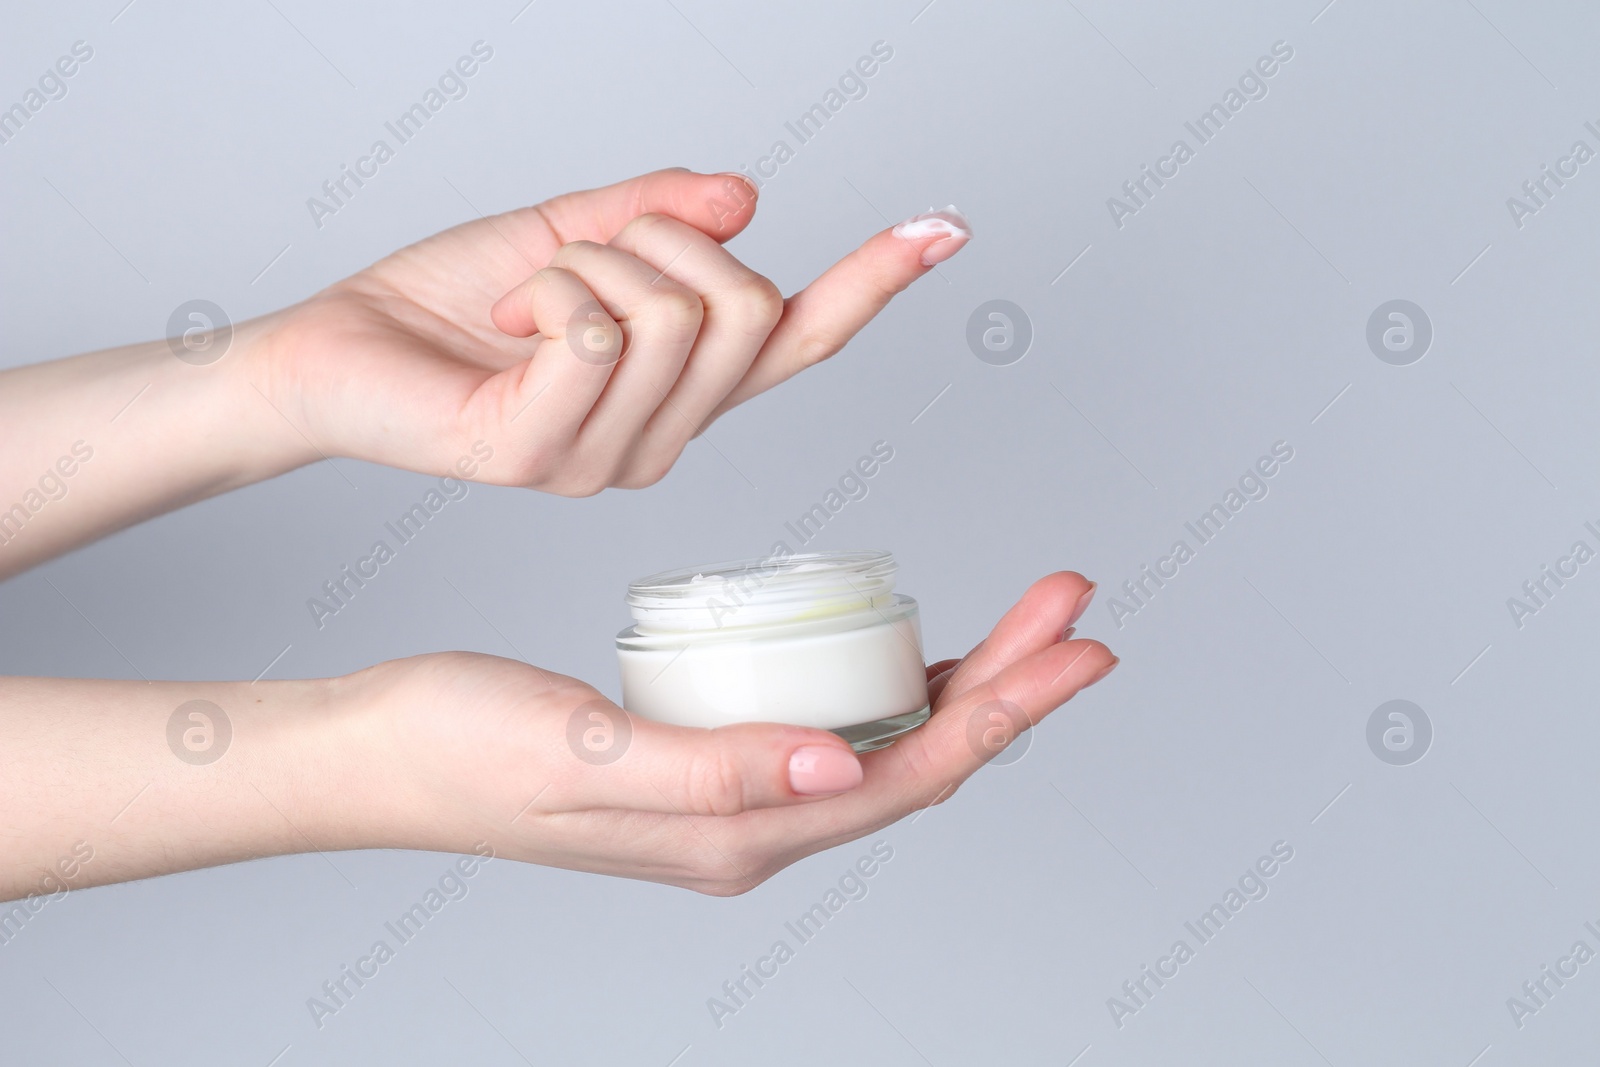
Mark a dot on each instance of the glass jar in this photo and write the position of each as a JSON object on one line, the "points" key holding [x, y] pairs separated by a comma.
{"points": [[811, 639]]}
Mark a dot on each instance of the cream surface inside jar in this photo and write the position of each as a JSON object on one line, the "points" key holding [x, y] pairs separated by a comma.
{"points": [[814, 639]]}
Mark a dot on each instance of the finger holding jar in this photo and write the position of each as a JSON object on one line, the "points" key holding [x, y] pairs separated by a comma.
{"points": [[1016, 676]]}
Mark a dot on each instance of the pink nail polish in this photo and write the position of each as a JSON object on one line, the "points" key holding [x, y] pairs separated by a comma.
{"points": [[822, 770], [1083, 604], [948, 227]]}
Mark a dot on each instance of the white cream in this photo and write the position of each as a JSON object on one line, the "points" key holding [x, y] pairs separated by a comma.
{"points": [[817, 640], [947, 221]]}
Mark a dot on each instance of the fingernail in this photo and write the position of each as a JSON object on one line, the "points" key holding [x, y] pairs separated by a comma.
{"points": [[1066, 635], [949, 228], [1107, 669], [1083, 603], [748, 184], [821, 770]]}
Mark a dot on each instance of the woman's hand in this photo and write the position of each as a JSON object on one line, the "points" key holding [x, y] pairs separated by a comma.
{"points": [[585, 340], [569, 346], [109, 780], [491, 750]]}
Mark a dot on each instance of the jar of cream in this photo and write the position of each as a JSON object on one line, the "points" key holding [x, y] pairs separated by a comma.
{"points": [[812, 639]]}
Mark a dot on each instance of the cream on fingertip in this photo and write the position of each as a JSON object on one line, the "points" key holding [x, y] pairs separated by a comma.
{"points": [[947, 225]]}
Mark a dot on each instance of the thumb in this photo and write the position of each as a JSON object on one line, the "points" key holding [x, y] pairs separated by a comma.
{"points": [[652, 766], [718, 205]]}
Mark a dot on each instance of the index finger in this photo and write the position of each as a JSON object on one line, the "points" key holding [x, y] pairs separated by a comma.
{"points": [[822, 318], [925, 766]]}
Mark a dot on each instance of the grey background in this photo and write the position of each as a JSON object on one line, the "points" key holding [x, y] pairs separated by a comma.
{"points": [[1224, 316]]}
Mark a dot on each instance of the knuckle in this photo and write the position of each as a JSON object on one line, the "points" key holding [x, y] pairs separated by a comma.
{"points": [[929, 793], [583, 486], [920, 768], [632, 480], [657, 470], [651, 222], [761, 303], [676, 312], [651, 467], [722, 871], [714, 785], [613, 472], [546, 275], [573, 252], [736, 874], [572, 478], [533, 468], [883, 283], [814, 347], [580, 472], [639, 478], [725, 887]]}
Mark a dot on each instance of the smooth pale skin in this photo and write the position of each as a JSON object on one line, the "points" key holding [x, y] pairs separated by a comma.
{"points": [[457, 339]]}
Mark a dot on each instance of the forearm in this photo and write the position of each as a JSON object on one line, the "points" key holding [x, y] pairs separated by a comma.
{"points": [[97, 442], [104, 781]]}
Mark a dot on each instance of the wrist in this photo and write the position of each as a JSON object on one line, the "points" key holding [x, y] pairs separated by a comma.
{"points": [[430, 777], [258, 414], [330, 759], [130, 433], [277, 768], [386, 773], [200, 412]]}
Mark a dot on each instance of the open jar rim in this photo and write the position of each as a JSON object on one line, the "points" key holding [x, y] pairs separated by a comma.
{"points": [[774, 590]]}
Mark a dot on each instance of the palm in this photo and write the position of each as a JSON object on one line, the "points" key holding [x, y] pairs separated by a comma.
{"points": [[526, 710], [403, 356], [487, 740]]}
